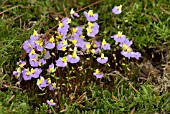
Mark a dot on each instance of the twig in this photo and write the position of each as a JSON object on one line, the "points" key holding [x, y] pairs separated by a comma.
{"points": [[17, 17], [165, 11], [10, 9], [125, 78], [65, 11], [133, 88], [89, 5], [80, 99], [10, 99]]}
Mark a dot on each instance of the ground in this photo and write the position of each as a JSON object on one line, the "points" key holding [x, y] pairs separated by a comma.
{"points": [[144, 88]]}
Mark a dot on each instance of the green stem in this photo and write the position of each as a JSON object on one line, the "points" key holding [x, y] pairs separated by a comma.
{"points": [[53, 109]]}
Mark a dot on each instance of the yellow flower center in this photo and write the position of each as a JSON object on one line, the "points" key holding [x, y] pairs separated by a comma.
{"points": [[89, 30], [74, 41], [93, 50], [51, 69], [64, 59], [40, 81], [61, 25], [21, 65], [35, 59], [94, 45], [41, 43], [32, 71], [63, 48], [81, 36], [119, 7], [74, 55], [51, 101], [90, 12], [64, 42], [54, 85], [69, 20], [124, 46], [33, 51], [90, 24], [35, 33], [59, 36], [28, 73], [98, 71], [119, 34], [49, 80], [19, 70], [87, 46], [104, 42], [129, 49], [74, 30], [51, 39], [102, 55]]}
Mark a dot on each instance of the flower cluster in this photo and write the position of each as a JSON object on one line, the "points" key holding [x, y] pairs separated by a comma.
{"points": [[125, 44], [70, 43]]}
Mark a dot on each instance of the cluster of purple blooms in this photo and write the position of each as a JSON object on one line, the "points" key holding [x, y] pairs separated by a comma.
{"points": [[125, 44], [70, 40]]}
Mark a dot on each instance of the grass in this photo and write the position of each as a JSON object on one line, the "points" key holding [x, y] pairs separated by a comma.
{"points": [[146, 23]]}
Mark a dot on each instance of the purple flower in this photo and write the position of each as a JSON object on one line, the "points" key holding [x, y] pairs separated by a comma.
{"points": [[39, 45], [79, 38], [98, 74], [34, 60], [61, 36], [136, 55], [91, 32], [26, 74], [63, 26], [77, 31], [35, 72], [62, 45], [87, 45], [93, 26], [46, 54], [50, 43], [102, 59], [96, 44], [73, 58], [61, 62], [41, 83], [52, 86], [92, 29], [73, 13], [51, 102], [28, 45], [51, 68], [66, 20], [41, 62], [128, 53], [90, 16], [21, 63], [35, 36], [96, 51], [17, 73], [77, 41], [125, 44], [119, 37], [105, 45], [32, 54], [117, 9]]}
